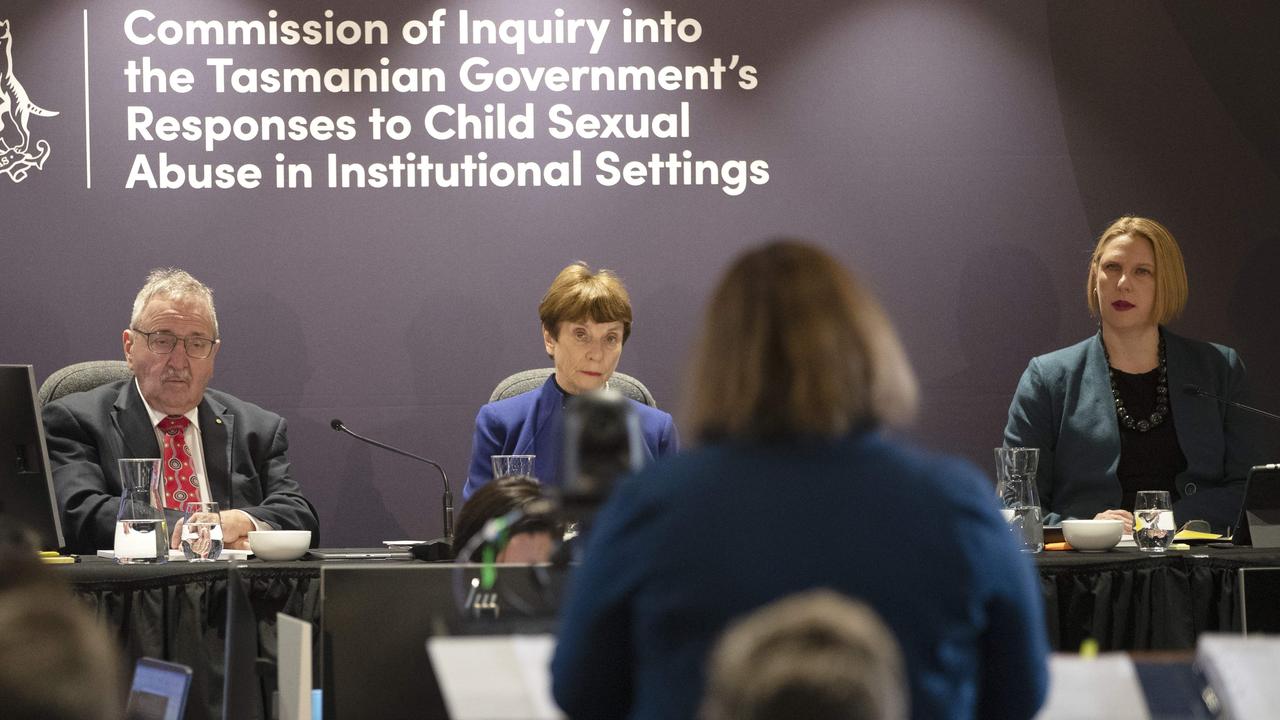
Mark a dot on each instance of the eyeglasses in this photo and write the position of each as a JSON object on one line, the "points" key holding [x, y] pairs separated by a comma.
{"points": [[163, 343]]}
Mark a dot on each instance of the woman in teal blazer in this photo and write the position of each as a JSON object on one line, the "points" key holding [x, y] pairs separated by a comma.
{"points": [[1112, 415]]}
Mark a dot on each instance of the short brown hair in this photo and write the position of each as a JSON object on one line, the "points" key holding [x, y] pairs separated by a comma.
{"points": [[812, 655], [497, 498], [579, 293], [792, 345], [1171, 271]]}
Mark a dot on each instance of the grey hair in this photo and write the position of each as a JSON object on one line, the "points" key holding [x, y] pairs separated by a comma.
{"points": [[174, 284]]}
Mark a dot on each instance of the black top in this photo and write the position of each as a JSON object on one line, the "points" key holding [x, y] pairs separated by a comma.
{"points": [[1148, 460]]}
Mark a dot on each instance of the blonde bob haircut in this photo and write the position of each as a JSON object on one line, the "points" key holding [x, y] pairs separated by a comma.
{"points": [[1171, 271], [579, 293], [792, 345], [173, 284]]}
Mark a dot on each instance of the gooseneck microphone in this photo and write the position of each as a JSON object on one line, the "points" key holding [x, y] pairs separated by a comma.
{"points": [[1195, 391], [446, 500]]}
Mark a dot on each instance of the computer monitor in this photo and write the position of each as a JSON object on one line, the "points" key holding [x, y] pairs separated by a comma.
{"points": [[375, 620], [1259, 523], [26, 481]]}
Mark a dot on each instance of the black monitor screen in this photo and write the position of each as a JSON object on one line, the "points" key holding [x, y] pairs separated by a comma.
{"points": [[26, 485], [376, 620]]}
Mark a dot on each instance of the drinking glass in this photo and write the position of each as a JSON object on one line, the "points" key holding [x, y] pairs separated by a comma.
{"points": [[142, 535], [507, 465], [1153, 526], [201, 531], [1019, 499]]}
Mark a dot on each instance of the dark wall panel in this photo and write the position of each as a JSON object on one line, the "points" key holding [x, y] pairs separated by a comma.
{"points": [[961, 156]]}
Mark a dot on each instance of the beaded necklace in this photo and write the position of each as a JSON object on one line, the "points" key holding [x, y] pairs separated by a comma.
{"points": [[1161, 411]]}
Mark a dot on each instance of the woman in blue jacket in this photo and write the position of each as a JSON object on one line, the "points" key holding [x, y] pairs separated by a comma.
{"points": [[793, 487], [586, 319], [1113, 414]]}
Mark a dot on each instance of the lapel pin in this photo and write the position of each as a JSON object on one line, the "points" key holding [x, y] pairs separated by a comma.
{"points": [[218, 420]]}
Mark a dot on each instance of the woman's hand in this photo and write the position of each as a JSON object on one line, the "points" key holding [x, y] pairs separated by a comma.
{"points": [[1122, 515]]}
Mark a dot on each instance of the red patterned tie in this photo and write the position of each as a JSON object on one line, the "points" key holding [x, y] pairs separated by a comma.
{"points": [[179, 485]]}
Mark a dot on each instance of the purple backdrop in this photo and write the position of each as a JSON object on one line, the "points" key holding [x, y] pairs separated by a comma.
{"points": [[960, 156]]}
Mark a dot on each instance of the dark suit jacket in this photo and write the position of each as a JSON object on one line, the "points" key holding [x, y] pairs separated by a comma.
{"points": [[530, 424], [244, 453], [1064, 407]]}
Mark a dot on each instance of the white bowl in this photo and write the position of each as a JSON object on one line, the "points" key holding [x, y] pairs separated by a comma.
{"points": [[1092, 535], [279, 544]]}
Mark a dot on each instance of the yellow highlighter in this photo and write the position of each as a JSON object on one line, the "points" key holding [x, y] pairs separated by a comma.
{"points": [[50, 557]]}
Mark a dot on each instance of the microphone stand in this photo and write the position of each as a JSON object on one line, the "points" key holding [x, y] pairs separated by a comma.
{"points": [[446, 500], [1195, 391]]}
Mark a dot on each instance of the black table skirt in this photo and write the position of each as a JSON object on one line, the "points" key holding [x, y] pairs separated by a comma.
{"points": [[1125, 599], [177, 612], [1131, 600]]}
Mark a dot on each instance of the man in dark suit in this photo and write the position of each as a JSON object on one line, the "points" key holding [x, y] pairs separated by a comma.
{"points": [[216, 447]]}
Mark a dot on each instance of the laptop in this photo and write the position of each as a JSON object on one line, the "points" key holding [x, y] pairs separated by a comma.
{"points": [[1259, 523], [159, 690]]}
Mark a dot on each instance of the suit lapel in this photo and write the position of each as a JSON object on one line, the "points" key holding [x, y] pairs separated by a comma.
{"points": [[216, 427], [133, 423], [545, 438]]}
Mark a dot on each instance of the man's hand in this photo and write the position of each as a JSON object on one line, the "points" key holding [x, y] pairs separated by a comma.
{"points": [[236, 525], [1122, 515]]}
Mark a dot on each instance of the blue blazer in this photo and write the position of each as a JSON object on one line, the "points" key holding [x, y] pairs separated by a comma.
{"points": [[700, 539], [1064, 407], [531, 424]]}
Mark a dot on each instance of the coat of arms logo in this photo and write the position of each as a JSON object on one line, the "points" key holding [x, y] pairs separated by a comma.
{"points": [[16, 109]]}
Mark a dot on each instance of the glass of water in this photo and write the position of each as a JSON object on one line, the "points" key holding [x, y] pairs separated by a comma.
{"points": [[508, 465], [201, 531], [1019, 499], [1153, 526]]}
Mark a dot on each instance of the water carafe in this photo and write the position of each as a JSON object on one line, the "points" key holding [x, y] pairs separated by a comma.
{"points": [[142, 535], [1019, 500]]}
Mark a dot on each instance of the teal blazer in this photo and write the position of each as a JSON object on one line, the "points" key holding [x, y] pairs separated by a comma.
{"points": [[1064, 407]]}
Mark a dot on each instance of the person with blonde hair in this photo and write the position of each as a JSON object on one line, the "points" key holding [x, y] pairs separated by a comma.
{"points": [[1113, 414], [816, 654], [586, 320], [795, 486]]}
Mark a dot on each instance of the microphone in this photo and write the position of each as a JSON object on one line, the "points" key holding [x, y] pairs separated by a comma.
{"points": [[1195, 391], [446, 500]]}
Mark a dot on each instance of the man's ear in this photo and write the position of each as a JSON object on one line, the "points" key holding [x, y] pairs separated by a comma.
{"points": [[126, 341]]}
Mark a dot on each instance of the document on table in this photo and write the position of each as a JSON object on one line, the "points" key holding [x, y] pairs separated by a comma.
{"points": [[496, 676], [1103, 688]]}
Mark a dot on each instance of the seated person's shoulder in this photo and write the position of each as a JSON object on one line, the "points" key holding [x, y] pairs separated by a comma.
{"points": [[239, 407], [512, 407], [1064, 359], [103, 396], [650, 414]]}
